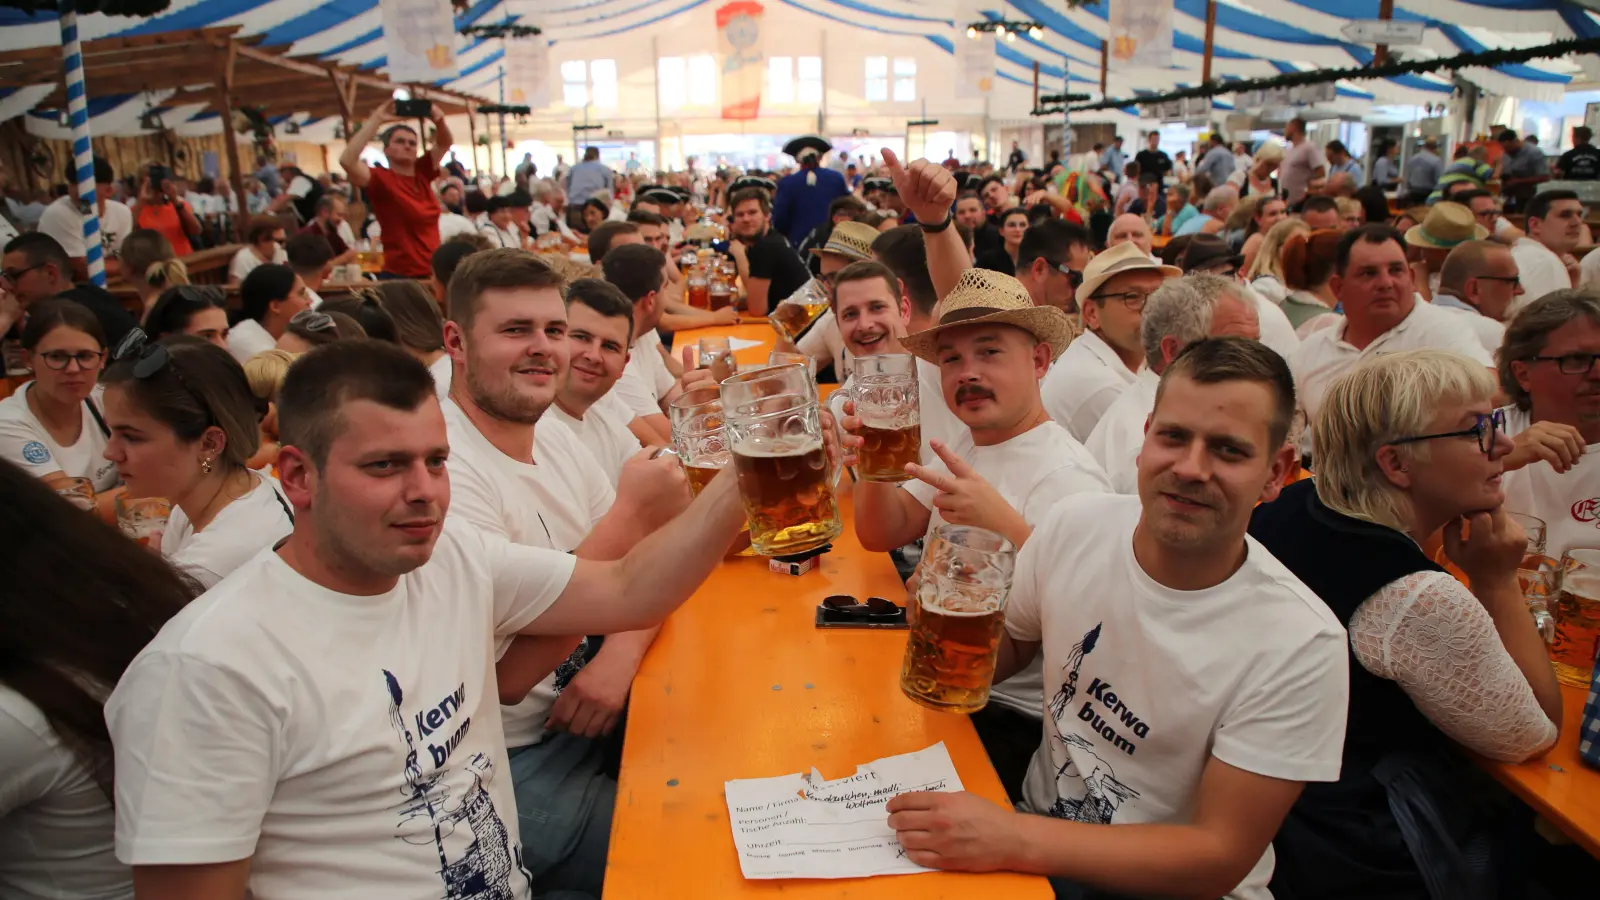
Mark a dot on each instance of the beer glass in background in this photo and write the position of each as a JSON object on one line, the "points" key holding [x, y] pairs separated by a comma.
{"points": [[780, 358], [1577, 615], [77, 491], [1536, 575], [884, 390], [721, 291], [699, 288], [716, 354], [774, 428], [697, 435], [143, 519], [957, 619]]}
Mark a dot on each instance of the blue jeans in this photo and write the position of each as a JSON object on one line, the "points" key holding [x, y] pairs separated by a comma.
{"points": [[564, 806]]}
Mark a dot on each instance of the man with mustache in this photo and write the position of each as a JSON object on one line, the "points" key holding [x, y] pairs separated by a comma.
{"points": [[524, 476], [1176, 739], [1107, 357], [991, 346], [1381, 315], [337, 695], [599, 329]]}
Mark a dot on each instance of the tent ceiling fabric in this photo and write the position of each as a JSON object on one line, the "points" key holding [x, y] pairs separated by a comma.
{"points": [[1253, 38]]}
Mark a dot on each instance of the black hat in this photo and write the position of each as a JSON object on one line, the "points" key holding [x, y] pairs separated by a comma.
{"points": [[807, 142], [682, 194], [658, 194], [752, 181], [1208, 250], [878, 183]]}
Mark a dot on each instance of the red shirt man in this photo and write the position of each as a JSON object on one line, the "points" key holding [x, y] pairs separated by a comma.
{"points": [[401, 196]]}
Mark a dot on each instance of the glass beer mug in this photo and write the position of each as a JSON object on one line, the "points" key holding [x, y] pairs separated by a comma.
{"points": [[884, 390], [1536, 575], [698, 437], [1577, 615], [774, 430], [699, 288], [795, 314], [957, 619]]}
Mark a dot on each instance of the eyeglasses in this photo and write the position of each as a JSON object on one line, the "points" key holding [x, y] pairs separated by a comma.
{"points": [[1133, 300], [1485, 429], [1513, 280], [312, 321], [1570, 363], [1073, 275], [876, 609], [15, 275], [86, 359], [148, 356]]}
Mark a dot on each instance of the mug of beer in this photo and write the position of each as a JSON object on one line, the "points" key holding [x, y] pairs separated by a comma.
{"points": [[1536, 575], [884, 390], [697, 435], [721, 291], [774, 428], [780, 358], [716, 354], [1577, 615], [143, 519], [794, 315], [77, 491], [699, 288], [957, 618]]}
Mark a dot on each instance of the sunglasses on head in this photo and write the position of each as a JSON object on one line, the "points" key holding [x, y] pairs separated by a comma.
{"points": [[312, 320], [149, 357]]}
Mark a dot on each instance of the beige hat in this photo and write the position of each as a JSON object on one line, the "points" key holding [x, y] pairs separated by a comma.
{"points": [[1125, 257], [851, 240], [1446, 225], [983, 296]]}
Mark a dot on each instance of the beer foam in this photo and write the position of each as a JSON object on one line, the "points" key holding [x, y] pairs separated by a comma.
{"points": [[933, 600], [775, 447]]}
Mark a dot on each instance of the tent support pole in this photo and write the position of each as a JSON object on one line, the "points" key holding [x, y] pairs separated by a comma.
{"points": [[230, 138], [82, 146], [1380, 54], [1105, 61], [1211, 31]]}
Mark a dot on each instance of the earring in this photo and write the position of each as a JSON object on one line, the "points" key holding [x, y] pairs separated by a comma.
{"points": [[205, 465]]}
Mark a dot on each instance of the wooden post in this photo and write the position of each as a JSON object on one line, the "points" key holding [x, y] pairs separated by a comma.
{"points": [[346, 114], [1380, 55], [472, 132], [230, 138], [1211, 30], [1036, 84], [1105, 61]]}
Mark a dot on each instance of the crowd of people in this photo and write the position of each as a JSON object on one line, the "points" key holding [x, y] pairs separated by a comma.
{"points": [[423, 529]]}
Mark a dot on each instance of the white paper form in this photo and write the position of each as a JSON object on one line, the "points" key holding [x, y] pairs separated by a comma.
{"points": [[741, 343], [802, 826]]}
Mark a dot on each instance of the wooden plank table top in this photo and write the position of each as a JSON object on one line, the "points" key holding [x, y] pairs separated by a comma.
{"points": [[1559, 785], [741, 684]]}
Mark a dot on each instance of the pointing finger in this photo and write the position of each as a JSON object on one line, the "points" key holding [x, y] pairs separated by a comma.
{"points": [[958, 466]]}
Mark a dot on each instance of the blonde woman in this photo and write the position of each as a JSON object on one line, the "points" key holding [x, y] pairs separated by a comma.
{"points": [[150, 266], [1265, 271], [1409, 444], [265, 372]]}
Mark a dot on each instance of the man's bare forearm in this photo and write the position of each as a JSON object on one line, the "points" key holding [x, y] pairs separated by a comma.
{"points": [[1178, 861], [947, 259]]}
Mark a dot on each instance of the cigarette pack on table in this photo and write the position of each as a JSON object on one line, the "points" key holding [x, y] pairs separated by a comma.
{"points": [[784, 567]]}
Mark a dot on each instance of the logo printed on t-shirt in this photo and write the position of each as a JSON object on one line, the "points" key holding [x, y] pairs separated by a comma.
{"points": [[1587, 510], [35, 453], [477, 858], [1093, 795]]}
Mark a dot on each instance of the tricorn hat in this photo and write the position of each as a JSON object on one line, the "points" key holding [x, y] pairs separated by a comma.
{"points": [[804, 143]]}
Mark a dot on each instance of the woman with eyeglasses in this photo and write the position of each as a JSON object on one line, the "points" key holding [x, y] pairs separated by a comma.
{"points": [[81, 602], [267, 237], [195, 310], [54, 427], [270, 296], [313, 328], [184, 426], [1408, 445]]}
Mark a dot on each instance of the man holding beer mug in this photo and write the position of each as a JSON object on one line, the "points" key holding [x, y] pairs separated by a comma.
{"points": [[525, 477], [991, 345], [1195, 684]]}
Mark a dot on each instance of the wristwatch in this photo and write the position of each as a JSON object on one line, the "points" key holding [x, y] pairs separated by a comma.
{"points": [[935, 229]]}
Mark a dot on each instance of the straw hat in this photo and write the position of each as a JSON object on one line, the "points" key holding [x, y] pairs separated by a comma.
{"points": [[851, 240], [1446, 225], [983, 296], [1119, 259]]}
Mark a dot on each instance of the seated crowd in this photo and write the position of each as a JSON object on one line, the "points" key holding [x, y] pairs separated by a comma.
{"points": [[423, 532]]}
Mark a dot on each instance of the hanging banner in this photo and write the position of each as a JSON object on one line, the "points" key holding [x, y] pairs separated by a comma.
{"points": [[975, 66], [419, 36], [527, 62], [743, 64], [1141, 32]]}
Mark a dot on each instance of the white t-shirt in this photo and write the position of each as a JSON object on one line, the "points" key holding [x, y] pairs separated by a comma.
{"points": [[1145, 683], [55, 821], [442, 371], [351, 744], [645, 379], [553, 503], [822, 341], [500, 237], [1568, 503], [1276, 331], [1324, 356], [1115, 442], [62, 221], [242, 529], [25, 441], [248, 338], [1541, 271], [245, 261], [1589, 270], [1083, 382], [1032, 471], [1491, 334], [603, 430], [452, 224]]}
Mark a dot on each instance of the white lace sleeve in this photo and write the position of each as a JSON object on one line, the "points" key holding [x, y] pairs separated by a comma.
{"points": [[1427, 633]]}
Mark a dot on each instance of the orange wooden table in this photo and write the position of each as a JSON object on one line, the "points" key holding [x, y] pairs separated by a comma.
{"points": [[741, 684], [1559, 786], [1159, 241]]}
